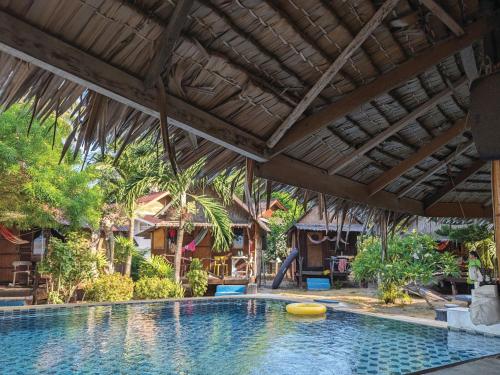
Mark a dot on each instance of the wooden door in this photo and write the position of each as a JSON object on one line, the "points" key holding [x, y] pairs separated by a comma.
{"points": [[314, 252]]}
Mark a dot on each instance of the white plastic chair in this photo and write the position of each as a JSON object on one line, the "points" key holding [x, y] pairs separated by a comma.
{"points": [[27, 271]]}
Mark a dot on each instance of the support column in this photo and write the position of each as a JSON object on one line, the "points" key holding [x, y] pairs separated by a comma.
{"points": [[495, 189]]}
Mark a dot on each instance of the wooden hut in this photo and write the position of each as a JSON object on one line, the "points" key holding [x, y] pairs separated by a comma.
{"points": [[325, 249], [238, 265]]}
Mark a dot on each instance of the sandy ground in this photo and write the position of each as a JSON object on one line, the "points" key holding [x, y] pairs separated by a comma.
{"points": [[365, 299]]}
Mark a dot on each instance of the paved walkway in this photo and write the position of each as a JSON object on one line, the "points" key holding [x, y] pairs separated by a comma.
{"points": [[486, 366]]}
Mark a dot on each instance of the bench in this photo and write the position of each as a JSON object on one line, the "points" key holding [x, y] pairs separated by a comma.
{"points": [[229, 290]]}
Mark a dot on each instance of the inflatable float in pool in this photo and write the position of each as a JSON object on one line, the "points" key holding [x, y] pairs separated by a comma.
{"points": [[306, 309]]}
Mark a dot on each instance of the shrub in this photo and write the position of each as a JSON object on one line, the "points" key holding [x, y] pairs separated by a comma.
{"points": [[69, 264], [156, 266], [155, 287], [198, 278], [114, 287], [137, 260], [412, 258]]}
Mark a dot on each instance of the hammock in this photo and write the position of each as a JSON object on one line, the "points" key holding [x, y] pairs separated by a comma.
{"points": [[325, 238], [11, 237], [197, 240]]}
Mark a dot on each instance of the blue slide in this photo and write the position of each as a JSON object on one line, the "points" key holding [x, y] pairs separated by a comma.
{"points": [[282, 271]]}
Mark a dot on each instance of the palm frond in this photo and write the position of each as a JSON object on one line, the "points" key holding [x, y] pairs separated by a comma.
{"points": [[219, 218]]}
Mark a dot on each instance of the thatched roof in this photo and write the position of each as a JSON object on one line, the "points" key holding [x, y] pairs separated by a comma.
{"points": [[237, 76]]}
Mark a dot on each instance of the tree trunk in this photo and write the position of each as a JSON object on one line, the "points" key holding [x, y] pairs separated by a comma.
{"points": [[180, 239], [111, 251], [131, 228]]}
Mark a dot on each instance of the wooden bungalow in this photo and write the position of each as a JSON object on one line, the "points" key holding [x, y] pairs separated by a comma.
{"points": [[324, 250], [238, 265]]}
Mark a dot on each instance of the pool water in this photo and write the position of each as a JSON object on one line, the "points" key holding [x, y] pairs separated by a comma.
{"points": [[236, 336]]}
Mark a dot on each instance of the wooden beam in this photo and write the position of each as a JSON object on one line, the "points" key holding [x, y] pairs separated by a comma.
{"points": [[423, 152], [162, 58], [384, 83], [396, 127], [332, 70], [454, 209], [289, 171], [495, 189], [469, 63], [459, 151], [450, 186], [33, 45], [443, 16]]}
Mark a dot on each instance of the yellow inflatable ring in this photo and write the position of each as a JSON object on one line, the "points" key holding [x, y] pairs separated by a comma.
{"points": [[306, 309]]}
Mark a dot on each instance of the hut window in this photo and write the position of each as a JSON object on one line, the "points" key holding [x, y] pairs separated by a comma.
{"points": [[238, 238]]}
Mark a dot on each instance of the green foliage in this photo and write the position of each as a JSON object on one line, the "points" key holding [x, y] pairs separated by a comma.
{"points": [[470, 233], [69, 264], [137, 260], [123, 248], [198, 278], [37, 190], [110, 288], [279, 224], [486, 249], [475, 238], [390, 293], [156, 287], [156, 266], [412, 258]]}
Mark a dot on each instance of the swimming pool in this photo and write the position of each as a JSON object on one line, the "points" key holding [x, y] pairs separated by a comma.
{"points": [[229, 336]]}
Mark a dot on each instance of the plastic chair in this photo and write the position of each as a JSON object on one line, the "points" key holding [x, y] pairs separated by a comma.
{"points": [[27, 271]]}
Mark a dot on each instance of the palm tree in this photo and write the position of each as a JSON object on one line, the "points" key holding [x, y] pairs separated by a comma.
{"points": [[184, 189], [118, 173]]}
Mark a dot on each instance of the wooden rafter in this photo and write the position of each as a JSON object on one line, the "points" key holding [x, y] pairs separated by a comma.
{"points": [[424, 152], [334, 68], [432, 171], [289, 171], [168, 39], [396, 127], [293, 172], [443, 16], [384, 83], [455, 181], [33, 45]]}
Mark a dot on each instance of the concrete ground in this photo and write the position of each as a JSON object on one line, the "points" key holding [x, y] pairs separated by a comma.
{"points": [[365, 300], [486, 366]]}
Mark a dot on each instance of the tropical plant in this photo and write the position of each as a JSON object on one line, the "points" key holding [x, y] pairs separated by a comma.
{"points": [[411, 259], [110, 288], [156, 266], [124, 248], [198, 278], [475, 237], [186, 189], [70, 264], [156, 287], [38, 188], [117, 172], [279, 224]]}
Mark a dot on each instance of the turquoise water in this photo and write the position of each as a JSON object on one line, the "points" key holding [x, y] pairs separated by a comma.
{"points": [[224, 338]]}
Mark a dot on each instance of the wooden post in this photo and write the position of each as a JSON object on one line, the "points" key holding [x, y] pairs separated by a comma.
{"points": [[383, 235], [495, 189]]}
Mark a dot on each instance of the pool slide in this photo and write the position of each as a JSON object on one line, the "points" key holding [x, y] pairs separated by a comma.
{"points": [[282, 271]]}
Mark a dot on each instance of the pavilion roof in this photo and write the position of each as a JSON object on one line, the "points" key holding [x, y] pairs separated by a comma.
{"points": [[363, 101]]}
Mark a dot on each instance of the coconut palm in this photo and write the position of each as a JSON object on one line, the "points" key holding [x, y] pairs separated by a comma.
{"points": [[186, 190]]}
